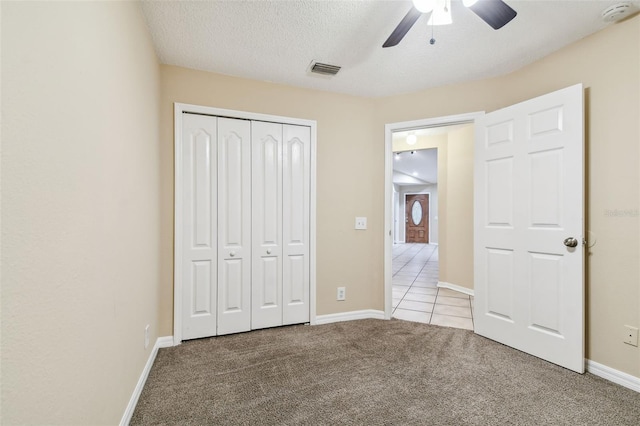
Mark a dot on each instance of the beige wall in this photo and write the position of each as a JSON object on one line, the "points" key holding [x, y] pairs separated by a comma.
{"points": [[346, 135], [80, 209], [608, 64], [458, 262]]}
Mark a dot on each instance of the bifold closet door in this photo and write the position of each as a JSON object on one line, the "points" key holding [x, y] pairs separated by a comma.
{"points": [[234, 225], [245, 207], [296, 184], [266, 196], [281, 156], [199, 227]]}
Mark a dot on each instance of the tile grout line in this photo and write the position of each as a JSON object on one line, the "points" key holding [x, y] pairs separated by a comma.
{"points": [[410, 285], [414, 279], [437, 292]]}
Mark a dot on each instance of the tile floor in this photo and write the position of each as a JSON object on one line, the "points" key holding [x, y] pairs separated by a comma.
{"points": [[416, 296]]}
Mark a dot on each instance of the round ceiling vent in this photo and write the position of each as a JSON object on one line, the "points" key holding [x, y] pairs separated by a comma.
{"points": [[617, 12]]}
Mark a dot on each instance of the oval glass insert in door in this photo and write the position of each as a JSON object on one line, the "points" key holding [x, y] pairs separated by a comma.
{"points": [[416, 212]]}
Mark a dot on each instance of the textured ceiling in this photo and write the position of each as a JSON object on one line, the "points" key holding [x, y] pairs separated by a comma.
{"points": [[277, 40]]}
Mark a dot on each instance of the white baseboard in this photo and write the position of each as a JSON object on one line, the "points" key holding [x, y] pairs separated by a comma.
{"points": [[455, 287], [613, 375], [162, 342], [349, 316]]}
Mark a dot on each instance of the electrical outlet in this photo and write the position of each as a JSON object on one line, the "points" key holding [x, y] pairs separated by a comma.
{"points": [[361, 223], [341, 293], [146, 336], [630, 335]]}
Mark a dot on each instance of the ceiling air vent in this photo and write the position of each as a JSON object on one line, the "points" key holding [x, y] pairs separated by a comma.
{"points": [[324, 69]]}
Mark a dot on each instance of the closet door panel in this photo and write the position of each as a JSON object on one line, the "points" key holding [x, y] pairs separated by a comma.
{"points": [[266, 202], [199, 260], [234, 225], [296, 155]]}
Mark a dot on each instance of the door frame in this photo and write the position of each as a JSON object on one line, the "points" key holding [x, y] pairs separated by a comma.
{"points": [[389, 129], [178, 110], [404, 213]]}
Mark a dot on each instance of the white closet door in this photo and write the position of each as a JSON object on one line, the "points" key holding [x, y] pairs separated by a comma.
{"points": [[234, 225], [296, 156], [266, 283], [199, 226]]}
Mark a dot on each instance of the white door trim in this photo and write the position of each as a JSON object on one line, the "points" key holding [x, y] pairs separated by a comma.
{"points": [[179, 109], [388, 186]]}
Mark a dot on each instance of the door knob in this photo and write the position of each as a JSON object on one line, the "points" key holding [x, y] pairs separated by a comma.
{"points": [[571, 242], [268, 251], [233, 253]]}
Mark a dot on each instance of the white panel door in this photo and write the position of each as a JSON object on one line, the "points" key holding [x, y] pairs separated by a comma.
{"points": [[199, 260], [234, 225], [529, 194], [296, 156], [266, 205]]}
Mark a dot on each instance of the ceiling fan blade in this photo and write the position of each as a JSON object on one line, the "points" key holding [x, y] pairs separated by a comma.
{"points": [[494, 12], [403, 27]]}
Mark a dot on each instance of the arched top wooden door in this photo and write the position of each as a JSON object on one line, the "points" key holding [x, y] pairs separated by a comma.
{"points": [[417, 218]]}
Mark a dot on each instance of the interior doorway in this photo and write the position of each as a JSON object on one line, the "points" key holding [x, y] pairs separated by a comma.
{"points": [[416, 293], [413, 284]]}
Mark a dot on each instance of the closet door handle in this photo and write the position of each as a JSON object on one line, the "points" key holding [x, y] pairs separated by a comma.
{"points": [[232, 254], [268, 251]]}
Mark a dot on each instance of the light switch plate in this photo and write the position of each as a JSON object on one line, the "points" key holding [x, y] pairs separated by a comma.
{"points": [[361, 223]]}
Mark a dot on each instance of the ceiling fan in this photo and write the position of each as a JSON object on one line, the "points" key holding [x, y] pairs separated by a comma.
{"points": [[496, 13]]}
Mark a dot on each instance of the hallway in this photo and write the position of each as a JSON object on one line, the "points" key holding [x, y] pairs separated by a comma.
{"points": [[416, 296]]}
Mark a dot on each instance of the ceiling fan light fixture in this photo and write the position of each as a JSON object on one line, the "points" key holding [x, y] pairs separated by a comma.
{"points": [[441, 13], [424, 6]]}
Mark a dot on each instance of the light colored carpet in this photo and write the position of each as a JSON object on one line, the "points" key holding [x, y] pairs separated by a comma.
{"points": [[371, 372]]}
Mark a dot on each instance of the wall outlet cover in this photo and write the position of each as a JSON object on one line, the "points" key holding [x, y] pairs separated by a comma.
{"points": [[361, 223], [630, 335]]}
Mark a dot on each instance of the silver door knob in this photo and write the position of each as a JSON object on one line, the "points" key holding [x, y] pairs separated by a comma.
{"points": [[571, 242], [268, 251], [233, 253]]}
